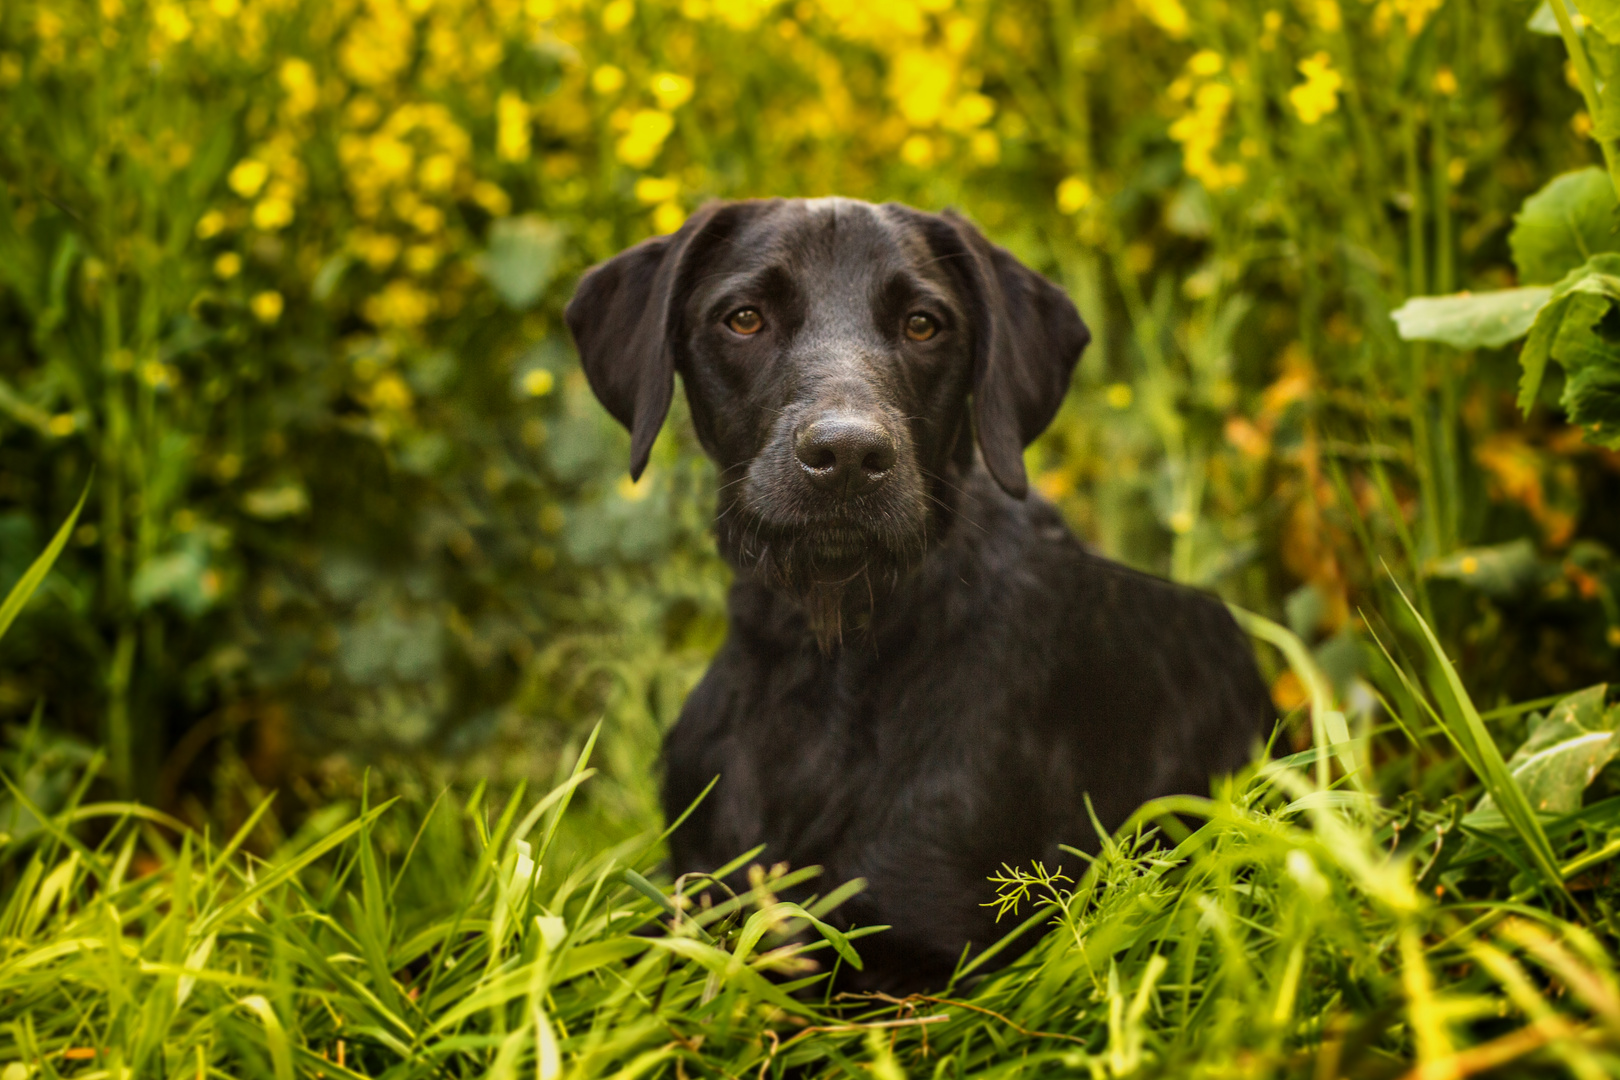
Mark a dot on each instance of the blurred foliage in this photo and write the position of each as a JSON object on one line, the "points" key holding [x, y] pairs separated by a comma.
{"points": [[289, 274]]}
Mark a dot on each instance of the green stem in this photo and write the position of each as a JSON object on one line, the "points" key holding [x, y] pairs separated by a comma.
{"points": [[1588, 80]]}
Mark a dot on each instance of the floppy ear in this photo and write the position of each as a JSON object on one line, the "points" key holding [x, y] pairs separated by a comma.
{"points": [[624, 317], [1027, 338]]}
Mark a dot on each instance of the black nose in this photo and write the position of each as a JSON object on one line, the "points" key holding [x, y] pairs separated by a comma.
{"points": [[845, 454]]}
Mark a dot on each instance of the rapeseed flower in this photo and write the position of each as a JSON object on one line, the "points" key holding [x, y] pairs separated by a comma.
{"points": [[267, 306], [672, 91], [1073, 195], [173, 21], [1168, 15], [210, 225], [668, 217], [511, 127], [1318, 95], [297, 80], [652, 189], [607, 79], [647, 130], [274, 211], [248, 177]]}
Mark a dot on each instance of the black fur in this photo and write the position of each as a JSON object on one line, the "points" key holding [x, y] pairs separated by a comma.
{"points": [[924, 678]]}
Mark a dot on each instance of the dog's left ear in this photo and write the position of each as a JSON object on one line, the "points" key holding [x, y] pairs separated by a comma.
{"points": [[624, 319], [1027, 338]]}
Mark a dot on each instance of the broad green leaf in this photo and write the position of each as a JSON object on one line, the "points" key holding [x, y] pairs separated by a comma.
{"points": [[1543, 21], [1501, 570], [1592, 399], [1602, 14], [1565, 751], [1485, 320], [522, 258], [1563, 225], [1568, 330]]}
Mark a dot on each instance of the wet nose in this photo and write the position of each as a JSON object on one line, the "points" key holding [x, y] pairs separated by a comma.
{"points": [[845, 455]]}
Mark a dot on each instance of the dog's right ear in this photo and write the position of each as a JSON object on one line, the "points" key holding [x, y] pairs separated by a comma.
{"points": [[624, 316]]}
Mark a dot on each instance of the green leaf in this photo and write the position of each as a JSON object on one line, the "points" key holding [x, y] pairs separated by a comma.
{"points": [[1566, 330], [1565, 751], [1485, 320], [1563, 225], [1501, 570], [1603, 14], [1543, 21], [522, 258], [1460, 721], [20, 592]]}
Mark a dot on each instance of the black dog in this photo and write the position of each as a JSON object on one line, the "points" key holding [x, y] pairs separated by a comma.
{"points": [[925, 672]]}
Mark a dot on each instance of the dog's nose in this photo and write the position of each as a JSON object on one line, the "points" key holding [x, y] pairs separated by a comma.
{"points": [[845, 454]]}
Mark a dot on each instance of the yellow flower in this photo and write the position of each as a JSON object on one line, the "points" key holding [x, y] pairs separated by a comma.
{"points": [[62, 425], [1328, 16], [672, 91], [1445, 81], [917, 151], [421, 258], [742, 14], [970, 111], [248, 177], [226, 9], [399, 304], [228, 265], [427, 219], [390, 392], [633, 490], [157, 375], [617, 15], [272, 213], [298, 81], [1073, 194], [267, 306], [985, 148], [1200, 130], [1206, 62], [438, 173], [1318, 95], [651, 189], [379, 250], [668, 217], [640, 144], [173, 21], [495, 201], [210, 225], [607, 79], [1168, 15], [511, 127], [919, 82], [1120, 395], [538, 382]]}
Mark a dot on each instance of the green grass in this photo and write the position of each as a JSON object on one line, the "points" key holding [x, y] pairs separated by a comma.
{"points": [[1279, 928], [1320, 915]]}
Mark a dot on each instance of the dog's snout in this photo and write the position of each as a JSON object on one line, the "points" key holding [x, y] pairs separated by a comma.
{"points": [[847, 455]]}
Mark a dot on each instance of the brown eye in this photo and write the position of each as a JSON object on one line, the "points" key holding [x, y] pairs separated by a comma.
{"points": [[745, 321], [921, 327]]}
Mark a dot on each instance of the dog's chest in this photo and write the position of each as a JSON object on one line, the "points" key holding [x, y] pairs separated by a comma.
{"points": [[865, 760]]}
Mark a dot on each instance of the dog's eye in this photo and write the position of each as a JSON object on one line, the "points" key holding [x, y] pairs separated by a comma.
{"points": [[745, 321], [920, 327]]}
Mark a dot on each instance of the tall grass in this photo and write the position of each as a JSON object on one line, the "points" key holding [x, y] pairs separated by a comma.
{"points": [[1291, 924]]}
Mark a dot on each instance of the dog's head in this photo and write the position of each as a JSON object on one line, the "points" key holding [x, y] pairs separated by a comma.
{"points": [[830, 350]]}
